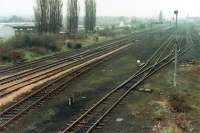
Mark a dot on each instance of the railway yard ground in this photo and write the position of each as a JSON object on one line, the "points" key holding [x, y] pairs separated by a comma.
{"points": [[154, 106]]}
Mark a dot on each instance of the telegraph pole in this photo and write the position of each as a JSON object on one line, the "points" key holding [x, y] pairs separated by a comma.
{"points": [[176, 49]]}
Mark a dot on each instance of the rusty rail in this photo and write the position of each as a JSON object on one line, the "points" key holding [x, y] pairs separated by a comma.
{"points": [[129, 85], [8, 90], [17, 110]]}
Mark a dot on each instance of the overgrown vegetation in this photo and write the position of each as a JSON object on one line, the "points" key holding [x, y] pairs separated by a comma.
{"points": [[179, 103], [40, 44], [73, 45], [35, 45]]}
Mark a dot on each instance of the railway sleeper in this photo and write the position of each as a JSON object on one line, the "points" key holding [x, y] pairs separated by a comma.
{"points": [[99, 127], [88, 126], [37, 105], [85, 110], [35, 98], [106, 119], [8, 115], [109, 102], [122, 103], [17, 110], [3, 119], [10, 112], [79, 125]]}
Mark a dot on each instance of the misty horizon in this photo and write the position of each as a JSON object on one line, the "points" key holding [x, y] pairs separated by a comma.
{"points": [[129, 8]]}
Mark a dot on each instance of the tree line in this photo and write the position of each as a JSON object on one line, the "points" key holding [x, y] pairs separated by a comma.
{"points": [[49, 16]]}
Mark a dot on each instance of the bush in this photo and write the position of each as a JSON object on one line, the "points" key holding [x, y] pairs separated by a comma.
{"points": [[78, 36], [95, 38], [106, 32], [178, 103], [17, 56], [74, 45], [5, 57], [48, 41], [27, 41], [8, 55], [141, 26], [38, 43], [39, 51]]}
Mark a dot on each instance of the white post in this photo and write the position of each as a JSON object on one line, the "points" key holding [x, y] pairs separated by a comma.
{"points": [[176, 47]]}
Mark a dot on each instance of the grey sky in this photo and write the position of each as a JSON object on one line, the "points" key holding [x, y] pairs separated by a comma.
{"points": [[114, 7]]}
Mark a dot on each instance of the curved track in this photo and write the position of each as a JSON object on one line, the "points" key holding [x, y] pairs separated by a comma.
{"points": [[45, 72], [29, 65], [16, 111], [53, 87], [94, 117]]}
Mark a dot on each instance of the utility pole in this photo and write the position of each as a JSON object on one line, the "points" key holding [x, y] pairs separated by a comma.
{"points": [[176, 49]]}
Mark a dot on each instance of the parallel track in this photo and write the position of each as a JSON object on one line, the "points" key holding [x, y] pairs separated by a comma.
{"points": [[58, 56], [46, 74], [55, 63], [36, 98], [29, 65], [93, 118], [15, 82]]}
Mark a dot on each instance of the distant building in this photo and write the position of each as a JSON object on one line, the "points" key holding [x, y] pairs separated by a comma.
{"points": [[6, 32], [24, 29], [121, 24]]}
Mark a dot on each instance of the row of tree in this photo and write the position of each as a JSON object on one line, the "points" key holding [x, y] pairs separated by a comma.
{"points": [[90, 17], [49, 17]]}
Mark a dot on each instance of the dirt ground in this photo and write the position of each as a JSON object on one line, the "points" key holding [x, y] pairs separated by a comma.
{"points": [[165, 110]]}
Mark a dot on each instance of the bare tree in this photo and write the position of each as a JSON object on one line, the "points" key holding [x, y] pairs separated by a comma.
{"points": [[90, 15], [42, 15], [55, 13], [48, 15], [72, 16]]}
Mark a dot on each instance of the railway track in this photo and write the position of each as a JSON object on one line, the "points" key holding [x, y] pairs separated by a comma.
{"points": [[18, 81], [59, 56], [37, 62], [55, 63], [34, 78], [94, 117], [52, 88]]}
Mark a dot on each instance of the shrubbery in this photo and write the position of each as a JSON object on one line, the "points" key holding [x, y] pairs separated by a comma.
{"points": [[39, 43], [179, 103], [107, 32], [78, 36], [48, 41], [8, 55], [73, 45]]}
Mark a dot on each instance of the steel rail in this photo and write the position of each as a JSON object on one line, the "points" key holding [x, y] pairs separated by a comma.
{"points": [[20, 113], [29, 64], [53, 64], [150, 71], [8, 90], [37, 100], [138, 73]]}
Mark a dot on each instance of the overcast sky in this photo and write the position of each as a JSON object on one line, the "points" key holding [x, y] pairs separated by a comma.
{"points": [[139, 8]]}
